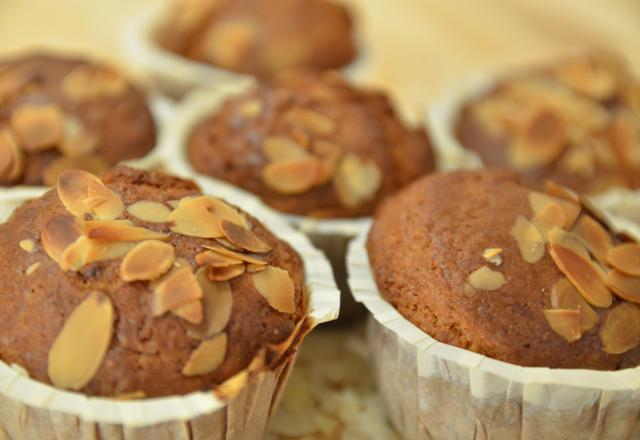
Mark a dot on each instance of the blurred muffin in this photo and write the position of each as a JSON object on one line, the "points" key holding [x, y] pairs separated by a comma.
{"points": [[141, 286], [576, 121], [479, 260], [260, 37], [311, 144], [60, 113]]}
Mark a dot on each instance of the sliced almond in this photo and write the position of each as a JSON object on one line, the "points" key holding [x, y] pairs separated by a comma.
{"points": [[58, 234], [92, 82], [569, 240], [565, 322], [118, 230], [147, 261], [539, 201], [207, 357], [310, 120], [486, 279], [595, 237], [228, 42], [176, 289], [215, 259], [276, 286], [492, 255], [37, 126], [80, 347], [565, 296], [148, 211], [330, 154], [190, 312], [31, 269], [620, 329], [217, 303], [529, 240], [83, 193], [235, 255], [11, 157], [252, 268], [561, 192], [91, 164], [588, 78], [76, 142], [225, 273], [551, 216], [542, 140], [200, 217], [292, 176], [27, 245], [625, 258], [243, 238], [251, 108], [625, 286], [281, 148], [85, 251], [356, 180]]}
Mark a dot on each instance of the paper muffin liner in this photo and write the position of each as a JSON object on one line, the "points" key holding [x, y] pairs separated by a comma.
{"points": [[34, 410], [436, 391], [176, 75]]}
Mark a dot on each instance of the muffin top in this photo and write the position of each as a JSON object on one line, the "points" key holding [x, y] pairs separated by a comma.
{"points": [[479, 260], [141, 286], [576, 122], [311, 144], [61, 113], [259, 37]]}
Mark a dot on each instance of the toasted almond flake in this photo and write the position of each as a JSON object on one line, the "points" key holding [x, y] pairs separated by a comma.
{"points": [[235, 255], [176, 289], [469, 291], [624, 137], [529, 240], [147, 261], [276, 286], [588, 78], [11, 157], [83, 193], [539, 201], [565, 296], [230, 388], [200, 217], [292, 176], [31, 269], [37, 126], [251, 268], [207, 357], [329, 154], [251, 108], [595, 237], [282, 148], [148, 211], [84, 251], [76, 142], [190, 312], [582, 274], [27, 245], [118, 230], [58, 234], [242, 237], [217, 302], [540, 142], [492, 255], [228, 42], [623, 285], [92, 82], [561, 192], [91, 164], [620, 329], [551, 216], [310, 120], [225, 273], [215, 259], [625, 258], [486, 279], [356, 180], [227, 244], [565, 322], [569, 240], [79, 348]]}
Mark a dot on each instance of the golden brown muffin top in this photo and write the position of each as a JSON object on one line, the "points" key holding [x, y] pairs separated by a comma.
{"points": [[311, 144], [140, 286], [576, 121], [478, 260], [258, 37]]}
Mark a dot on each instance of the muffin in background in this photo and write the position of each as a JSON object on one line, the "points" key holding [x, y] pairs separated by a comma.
{"points": [[260, 38], [311, 144], [575, 121], [59, 112]]}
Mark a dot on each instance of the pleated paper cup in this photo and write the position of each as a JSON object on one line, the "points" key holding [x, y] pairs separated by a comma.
{"points": [[176, 75], [238, 409], [434, 390]]}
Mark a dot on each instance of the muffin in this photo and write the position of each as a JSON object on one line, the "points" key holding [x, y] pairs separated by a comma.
{"points": [[142, 287], [310, 144], [259, 38], [60, 113], [576, 121]]}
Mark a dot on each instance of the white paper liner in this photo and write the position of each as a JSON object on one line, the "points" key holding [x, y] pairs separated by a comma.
{"points": [[31, 409], [434, 390], [176, 75]]}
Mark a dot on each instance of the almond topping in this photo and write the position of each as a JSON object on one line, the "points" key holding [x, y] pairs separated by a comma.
{"points": [[225, 273], [586, 77], [569, 240], [565, 296], [207, 357], [243, 238], [251, 108], [58, 234], [281, 148], [91, 164], [561, 192], [27, 245], [83, 193], [310, 120], [217, 302], [147, 261], [620, 329], [539, 201], [92, 82], [492, 255], [228, 42], [84, 251], [625, 258], [595, 237], [530, 242], [356, 180], [565, 322], [78, 350], [37, 126], [235, 255], [11, 159], [118, 230], [176, 289], [31, 269], [214, 259], [292, 176], [276, 286], [486, 279], [252, 268], [190, 312], [625, 286], [200, 217], [148, 211], [551, 216], [542, 140], [76, 142]]}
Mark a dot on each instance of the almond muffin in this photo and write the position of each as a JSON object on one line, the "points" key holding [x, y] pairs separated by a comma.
{"points": [[576, 121], [311, 144], [260, 38], [141, 286], [60, 113], [479, 260]]}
